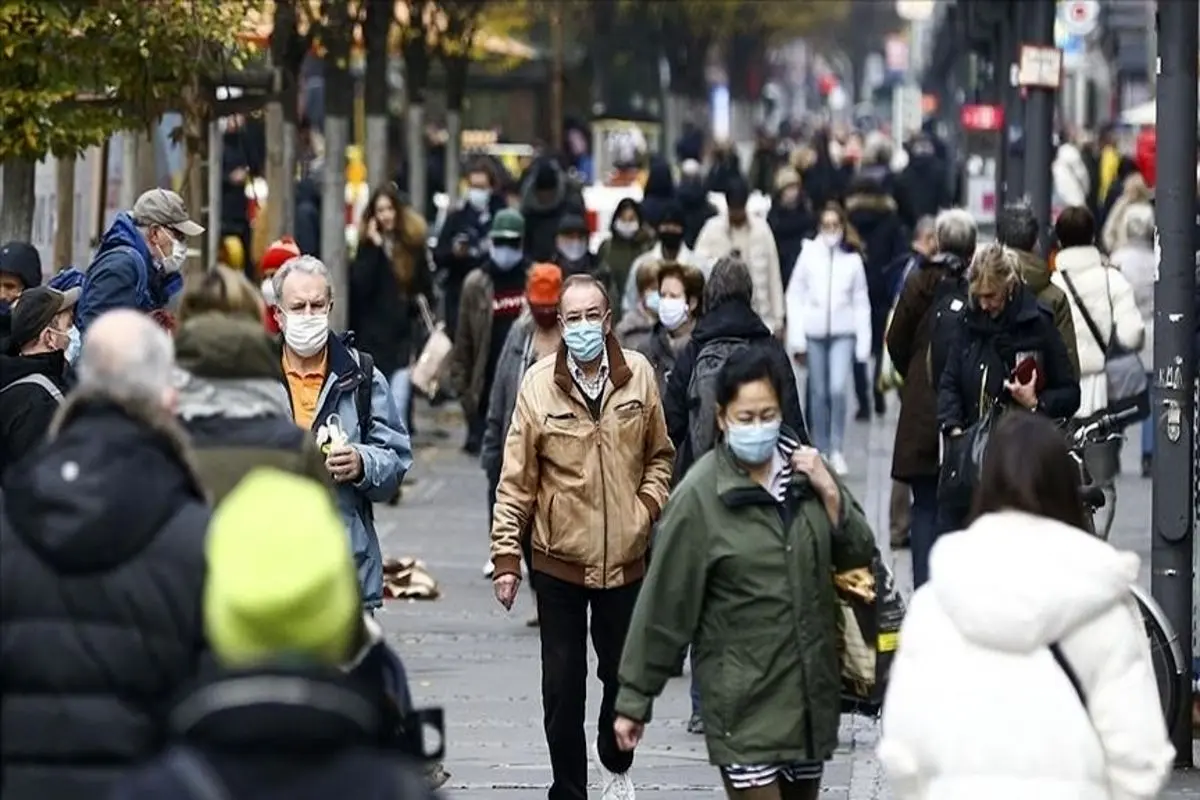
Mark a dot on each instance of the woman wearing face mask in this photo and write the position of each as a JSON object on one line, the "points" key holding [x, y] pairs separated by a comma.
{"points": [[1007, 351], [630, 237], [388, 279], [829, 326], [791, 219], [755, 517], [680, 289], [533, 336], [571, 250], [636, 328]]}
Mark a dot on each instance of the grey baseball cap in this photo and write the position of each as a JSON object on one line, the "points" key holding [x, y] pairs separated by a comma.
{"points": [[164, 207]]}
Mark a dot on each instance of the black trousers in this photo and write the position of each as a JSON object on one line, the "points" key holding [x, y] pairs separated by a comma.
{"points": [[563, 610]]}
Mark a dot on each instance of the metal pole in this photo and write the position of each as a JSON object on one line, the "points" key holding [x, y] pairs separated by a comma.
{"points": [[1174, 326], [1014, 109], [1039, 117], [1001, 61]]}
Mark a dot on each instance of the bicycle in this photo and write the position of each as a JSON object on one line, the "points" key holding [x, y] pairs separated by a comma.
{"points": [[1166, 651]]}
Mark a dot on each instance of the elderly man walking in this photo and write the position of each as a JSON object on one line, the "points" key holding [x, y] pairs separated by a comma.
{"points": [[101, 574], [336, 392], [587, 466]]}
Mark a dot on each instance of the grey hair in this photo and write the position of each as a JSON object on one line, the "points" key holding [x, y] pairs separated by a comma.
{"points": [[956, 231], [729, 280], [1139, 224], [138, 365], [307, 265], [926, 226]]}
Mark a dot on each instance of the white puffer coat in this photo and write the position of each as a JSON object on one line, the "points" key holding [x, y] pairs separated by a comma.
{"points": [[977, 707]]}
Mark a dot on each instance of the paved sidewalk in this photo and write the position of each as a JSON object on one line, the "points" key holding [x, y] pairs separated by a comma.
{"points": [[482, 664]]}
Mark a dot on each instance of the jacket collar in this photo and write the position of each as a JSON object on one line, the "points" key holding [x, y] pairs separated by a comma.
{"points": [[619, 372], [1076, 259], [737, 489], [288, 709], [158, 420]]}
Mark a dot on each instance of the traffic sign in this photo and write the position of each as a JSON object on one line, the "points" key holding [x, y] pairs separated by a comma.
{"points": [[1040, 67], [1080, 17]]}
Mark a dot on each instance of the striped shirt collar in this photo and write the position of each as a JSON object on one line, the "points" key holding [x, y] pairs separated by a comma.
{"points": [[781, 466], [592, 387]]}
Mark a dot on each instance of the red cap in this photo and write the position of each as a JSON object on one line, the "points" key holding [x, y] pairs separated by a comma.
{"points": [[277, 255], [544, 285]]}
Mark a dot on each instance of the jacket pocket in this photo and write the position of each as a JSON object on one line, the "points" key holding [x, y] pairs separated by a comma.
{"points": [[737, 674], [564, 440]]}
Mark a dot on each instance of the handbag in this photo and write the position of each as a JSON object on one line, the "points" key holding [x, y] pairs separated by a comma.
{"points": [[1124, 372], [962, 458], [870, 612], [427, 372]]}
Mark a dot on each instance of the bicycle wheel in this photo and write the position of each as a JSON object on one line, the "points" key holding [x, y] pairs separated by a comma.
{"points": [[1166, 654]]}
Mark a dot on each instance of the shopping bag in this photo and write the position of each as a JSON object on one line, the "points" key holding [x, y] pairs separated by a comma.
{"points": [[870, 611], [427, 372], [962, 458]]}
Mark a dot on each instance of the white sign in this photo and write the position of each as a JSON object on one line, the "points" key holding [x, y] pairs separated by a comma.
{"points": [[1080, 17], [1040, 67]]}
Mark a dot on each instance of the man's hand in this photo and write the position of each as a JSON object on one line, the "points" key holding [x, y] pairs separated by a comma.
{"points": [[505, 587], [628, 733], [1024, 393], [344, 464]]}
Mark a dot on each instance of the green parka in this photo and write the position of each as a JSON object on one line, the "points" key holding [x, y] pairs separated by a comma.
{"points": [[749, 583]]}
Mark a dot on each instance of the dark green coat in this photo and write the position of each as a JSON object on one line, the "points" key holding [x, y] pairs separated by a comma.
{"points": [[756, 599]]}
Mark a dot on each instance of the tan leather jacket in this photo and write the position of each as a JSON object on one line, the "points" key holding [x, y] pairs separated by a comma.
{"points": [[590, 489]]}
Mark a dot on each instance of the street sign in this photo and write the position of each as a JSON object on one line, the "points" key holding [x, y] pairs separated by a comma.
{"points": [[982, 117], [1040, 67], [1079, 17]]}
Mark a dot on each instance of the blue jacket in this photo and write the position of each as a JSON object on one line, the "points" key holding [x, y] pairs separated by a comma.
{"points": [[123, 275], [386, 455]]}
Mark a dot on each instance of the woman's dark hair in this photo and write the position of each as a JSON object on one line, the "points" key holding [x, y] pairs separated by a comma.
{"points": [[750, 365], [1075, 227], [1027, 468], [408, 232], [627, 202]]}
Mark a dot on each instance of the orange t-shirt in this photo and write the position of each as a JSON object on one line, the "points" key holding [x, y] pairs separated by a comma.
{"points": [[305, 389]]}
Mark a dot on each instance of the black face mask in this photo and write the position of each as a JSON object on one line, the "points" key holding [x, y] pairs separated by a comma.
{"points": [[670, 240]]}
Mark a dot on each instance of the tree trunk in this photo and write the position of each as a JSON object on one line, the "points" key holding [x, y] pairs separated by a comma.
{"points": [[287, 53], [277, 175], [375, 88], [457, 68], [16, 192], [64, 216], [417, 58], [339, 105], [212, 182], [556, 77]]}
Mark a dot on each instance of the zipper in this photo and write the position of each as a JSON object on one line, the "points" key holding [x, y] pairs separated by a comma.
{"points": [[808, 726], [982, 390], [603, 502]]}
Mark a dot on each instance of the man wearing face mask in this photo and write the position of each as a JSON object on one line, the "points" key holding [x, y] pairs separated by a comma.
{"points": [[338, 394], [587, 463], [32, 371], [493, 297], [571, 251], [462, 242], [138, 262], [670, 248]]}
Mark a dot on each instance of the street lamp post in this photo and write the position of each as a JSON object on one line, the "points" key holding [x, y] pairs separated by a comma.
{"points": [[1039, 113], [1174, 328]]}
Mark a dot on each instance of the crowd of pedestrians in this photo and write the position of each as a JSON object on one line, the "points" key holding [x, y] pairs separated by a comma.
{"points": [[662, 427]]}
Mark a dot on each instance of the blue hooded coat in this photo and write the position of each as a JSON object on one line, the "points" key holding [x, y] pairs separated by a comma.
{"points": [[123, 275]]}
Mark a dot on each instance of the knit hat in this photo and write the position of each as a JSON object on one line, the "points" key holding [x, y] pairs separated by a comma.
{"points": [[507, 224], [277, 254], [281, 581], [544, 285]]}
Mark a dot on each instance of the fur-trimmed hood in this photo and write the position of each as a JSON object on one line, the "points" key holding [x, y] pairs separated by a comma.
{"points": [[111, 475], [878, 202]]}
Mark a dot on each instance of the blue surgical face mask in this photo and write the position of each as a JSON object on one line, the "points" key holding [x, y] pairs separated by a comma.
{"points": [[653, 300], [505, 257], [584, 340], [753, 443], [74, 344], [479, 197]]}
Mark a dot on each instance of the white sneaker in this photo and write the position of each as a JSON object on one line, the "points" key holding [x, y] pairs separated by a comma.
{"points": [[613, 785], [488, 568], [838, 462]]}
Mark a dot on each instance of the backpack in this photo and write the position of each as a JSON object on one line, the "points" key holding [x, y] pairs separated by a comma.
{"points": [[37, 380], [946, 314], [702, 392]]}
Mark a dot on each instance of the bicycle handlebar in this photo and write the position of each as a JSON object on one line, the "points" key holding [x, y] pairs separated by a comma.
{"points": [[1105, 425]]}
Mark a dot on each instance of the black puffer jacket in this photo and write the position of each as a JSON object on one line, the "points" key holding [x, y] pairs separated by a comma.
{"points": [[730, 320], [986, 351], [27, 408], [101, 572]]}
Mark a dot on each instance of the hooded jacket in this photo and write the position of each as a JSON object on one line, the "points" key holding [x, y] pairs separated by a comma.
{"points": [[101, 575], [1036, 275], [659, 192], [123, 275], [542, 217], [975, 645]]}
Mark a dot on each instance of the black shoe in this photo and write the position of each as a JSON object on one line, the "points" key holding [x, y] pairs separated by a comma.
{"points": [[863, 415], [880, 406], [695, 724], [1147, 466]]}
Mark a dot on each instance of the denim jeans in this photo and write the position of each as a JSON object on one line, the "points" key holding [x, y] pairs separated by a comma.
{"points": [[401, 388], [923, 527], [829, 364]]}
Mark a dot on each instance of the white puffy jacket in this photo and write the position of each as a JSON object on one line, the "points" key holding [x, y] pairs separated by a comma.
{"points": [[978, 708], [827, 296], [1096, 282]]}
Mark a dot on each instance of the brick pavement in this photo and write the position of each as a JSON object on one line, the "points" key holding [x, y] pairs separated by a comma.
{"points": [[466, 654]]}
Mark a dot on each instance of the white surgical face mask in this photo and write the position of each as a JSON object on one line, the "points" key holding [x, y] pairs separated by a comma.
{"points": [[626, 228], [306, 334], [831, 240], [174, 261], [478, 198], [672, 312], [573, 249]]}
